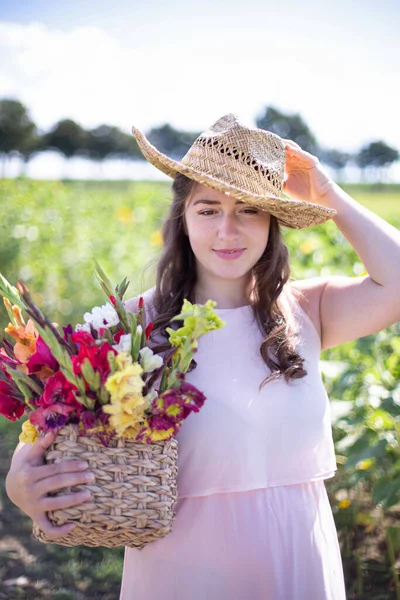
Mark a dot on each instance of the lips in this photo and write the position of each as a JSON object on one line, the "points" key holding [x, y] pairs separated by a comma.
{"points": [[229, 250], [230, 254]]}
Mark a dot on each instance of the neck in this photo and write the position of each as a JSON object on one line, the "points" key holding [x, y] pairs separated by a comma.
{"points": [[227, 294]]}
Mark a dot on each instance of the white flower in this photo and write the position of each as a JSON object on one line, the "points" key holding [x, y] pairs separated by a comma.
{"points": [[124, 344], [149, 361], [102, 317], [84, 327]]}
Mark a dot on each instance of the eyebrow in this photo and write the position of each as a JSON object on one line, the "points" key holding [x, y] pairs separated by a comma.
{"points": [[211, 202]]}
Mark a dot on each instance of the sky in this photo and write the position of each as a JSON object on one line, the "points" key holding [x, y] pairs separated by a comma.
{"points": [[336, 63]]}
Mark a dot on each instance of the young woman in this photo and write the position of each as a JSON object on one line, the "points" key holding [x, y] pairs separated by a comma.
{"points": [[253, 520]]}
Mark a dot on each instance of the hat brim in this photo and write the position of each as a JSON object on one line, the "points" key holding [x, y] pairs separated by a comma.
{"points": [[295, 214]]}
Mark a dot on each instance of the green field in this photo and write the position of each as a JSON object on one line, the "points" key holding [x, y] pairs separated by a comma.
{"points": [[49, 234]]}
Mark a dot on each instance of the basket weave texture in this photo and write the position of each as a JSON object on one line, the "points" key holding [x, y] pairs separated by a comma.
{"points": [[133, 496]]}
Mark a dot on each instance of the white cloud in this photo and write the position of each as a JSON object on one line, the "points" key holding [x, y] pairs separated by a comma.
{"points": [[88, 75]]}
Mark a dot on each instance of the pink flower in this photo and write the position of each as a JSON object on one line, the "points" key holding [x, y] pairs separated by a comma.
{"points": [[57, 404], [53, 417], [42, 363]]}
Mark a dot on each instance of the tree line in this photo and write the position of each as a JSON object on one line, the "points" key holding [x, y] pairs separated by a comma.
{"points": [[20, 136]]}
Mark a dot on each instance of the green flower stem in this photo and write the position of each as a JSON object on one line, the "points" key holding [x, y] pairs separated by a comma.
{"points": [[107, 287], [10, 292], [20, 376]]}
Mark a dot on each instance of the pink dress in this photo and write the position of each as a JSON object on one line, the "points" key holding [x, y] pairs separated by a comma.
{"points": [[253, 520]]}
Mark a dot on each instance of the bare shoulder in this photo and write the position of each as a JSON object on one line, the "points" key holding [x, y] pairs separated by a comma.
{"points": [[308, 294]]}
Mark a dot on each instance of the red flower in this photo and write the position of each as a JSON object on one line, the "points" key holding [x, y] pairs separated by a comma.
{"points": [[113, 300], [11, 401], [10, 406], [58, 389], [83, 337], [97, 355], [149, 329], [140, 303], [117, 336]]}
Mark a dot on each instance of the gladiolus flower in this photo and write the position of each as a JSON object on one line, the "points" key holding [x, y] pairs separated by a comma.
{"points": [[127, 404], [42, 363], [10, 407], [51, 418], [102, 316], [149, 361], [29, 433]]}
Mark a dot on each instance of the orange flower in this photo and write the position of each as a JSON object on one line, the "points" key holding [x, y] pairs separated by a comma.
{"points": [[25, 337]]}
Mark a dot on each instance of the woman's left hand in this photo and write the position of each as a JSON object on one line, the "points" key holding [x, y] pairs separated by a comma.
{"points": [[305, 178]]}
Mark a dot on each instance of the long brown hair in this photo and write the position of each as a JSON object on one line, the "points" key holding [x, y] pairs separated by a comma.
{"points": [[176, 279]]}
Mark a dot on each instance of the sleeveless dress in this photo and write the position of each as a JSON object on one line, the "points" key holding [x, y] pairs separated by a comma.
{"points": [[253, 519]]}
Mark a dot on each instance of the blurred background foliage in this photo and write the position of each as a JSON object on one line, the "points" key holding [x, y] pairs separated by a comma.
{"points": [[20, 136]]}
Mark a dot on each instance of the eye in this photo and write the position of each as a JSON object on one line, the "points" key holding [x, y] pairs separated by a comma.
{"points": [[250, 211], [206, 212]]}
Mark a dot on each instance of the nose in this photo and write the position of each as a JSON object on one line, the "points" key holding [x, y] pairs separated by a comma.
{"points": [[228, 228]]}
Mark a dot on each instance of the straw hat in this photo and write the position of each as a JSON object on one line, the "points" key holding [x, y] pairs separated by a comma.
{"points": [[245, 163]]}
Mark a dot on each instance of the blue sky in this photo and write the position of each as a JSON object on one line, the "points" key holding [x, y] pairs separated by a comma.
{"points": [[188, 63]]}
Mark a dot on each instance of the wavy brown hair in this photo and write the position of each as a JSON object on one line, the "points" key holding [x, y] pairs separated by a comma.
{"points": [[176, 279]]}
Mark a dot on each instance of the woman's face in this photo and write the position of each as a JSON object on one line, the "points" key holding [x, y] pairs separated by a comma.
{"points": [[227, 236]]}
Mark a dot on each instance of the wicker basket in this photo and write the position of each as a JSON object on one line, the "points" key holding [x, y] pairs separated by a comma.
{"points": [[134, 493]]}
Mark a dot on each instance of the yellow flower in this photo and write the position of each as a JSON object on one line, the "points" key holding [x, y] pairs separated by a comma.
{"points": [[308, 246], [364, 465], [127, 405], [124, 214], [156, 435], [125, 424], [126, 381], [29, 433], [156, 238], [344, 504]]}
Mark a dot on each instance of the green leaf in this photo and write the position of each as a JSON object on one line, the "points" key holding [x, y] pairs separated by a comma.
{"points": [[91, 376], [393, 533], [380, 419], [374, 451], [384, 489], [9, 291]]}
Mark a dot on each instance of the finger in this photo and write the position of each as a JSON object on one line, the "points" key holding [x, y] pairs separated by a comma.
{"points": [[63, 466], [53, 531], [39, 446], [60, 481], [65, 501]]}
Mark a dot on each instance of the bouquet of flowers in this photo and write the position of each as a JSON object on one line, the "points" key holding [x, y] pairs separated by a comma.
{"points": [[110, 399]]}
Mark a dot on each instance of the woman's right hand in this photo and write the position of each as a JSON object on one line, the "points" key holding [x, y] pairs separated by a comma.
{"points": [[29, 480]]}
